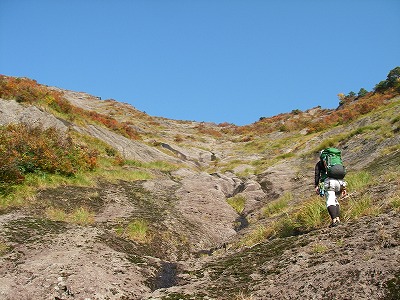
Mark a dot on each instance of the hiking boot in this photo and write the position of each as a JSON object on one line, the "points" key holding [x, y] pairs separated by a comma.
{"points": [[335, 223]]}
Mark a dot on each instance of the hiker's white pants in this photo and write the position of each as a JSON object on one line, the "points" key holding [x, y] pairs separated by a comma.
{"points": [[332, 191]]}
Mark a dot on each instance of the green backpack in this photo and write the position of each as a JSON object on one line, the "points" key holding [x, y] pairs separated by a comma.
{"points": [[332, 160]]}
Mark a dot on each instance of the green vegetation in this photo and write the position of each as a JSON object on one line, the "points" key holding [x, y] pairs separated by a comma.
{"points": [[257, 235], [277, 206], [80, 216], [37, 158], [56, 214], [23, 194], [342, 137], [156, 165], [237, 202], [364, 206], [319, 248], [395, 202], [25, 150], [312, 214], [136, 230], [111, 171], [358, 180], [3, 248], [286, 226], [392, 81]]}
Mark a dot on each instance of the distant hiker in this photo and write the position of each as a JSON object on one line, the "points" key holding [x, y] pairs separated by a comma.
{"points": [[329, 174]]}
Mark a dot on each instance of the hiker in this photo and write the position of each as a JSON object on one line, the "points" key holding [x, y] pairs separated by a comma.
{"points": [[329, 174]]}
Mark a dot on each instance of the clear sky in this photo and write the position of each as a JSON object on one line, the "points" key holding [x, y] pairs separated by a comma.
{"points": [[204, 60]]}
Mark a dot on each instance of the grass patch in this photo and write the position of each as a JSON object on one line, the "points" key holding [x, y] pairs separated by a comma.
{"points": [[20, 196], [237, 202], [395, 203], [259, 234], [128, 175], [319, 249], [136, 230], [24, 194], [262, 164], [285, 155], [81, 216], [358, 180], [286, 226], [245, 173], [56, 214], [313, 214], [229, 166], [3, 248], [42, 181], [277, 206], [156, 165], [332, 142], [364, 206]]}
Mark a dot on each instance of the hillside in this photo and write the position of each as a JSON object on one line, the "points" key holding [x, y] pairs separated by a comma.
{"points": [[101, 201]]}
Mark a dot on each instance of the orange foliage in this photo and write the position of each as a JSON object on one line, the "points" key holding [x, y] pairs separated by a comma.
{"points": [[29, 91], [209, 131], [347, 112], [26, 150]]}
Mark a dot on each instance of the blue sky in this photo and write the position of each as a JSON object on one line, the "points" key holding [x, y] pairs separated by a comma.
{"points": [[204, 60]]}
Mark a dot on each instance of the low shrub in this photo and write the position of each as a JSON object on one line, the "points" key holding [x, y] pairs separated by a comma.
{"points": [[25, 150], [26, 90]]}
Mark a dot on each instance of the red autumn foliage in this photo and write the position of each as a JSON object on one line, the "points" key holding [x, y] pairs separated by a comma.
{"points": [[203, 129], [29, 91], [26, 150]]}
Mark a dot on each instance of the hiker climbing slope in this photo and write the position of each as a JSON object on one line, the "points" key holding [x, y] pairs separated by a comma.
{"points": [[329, 174]]}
